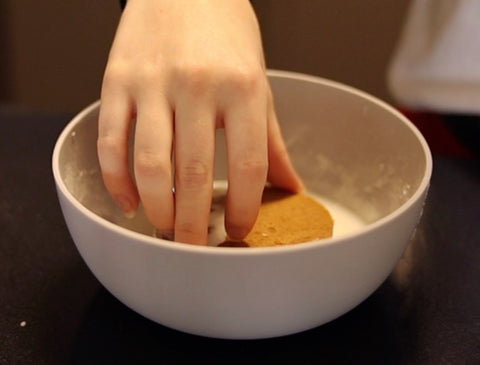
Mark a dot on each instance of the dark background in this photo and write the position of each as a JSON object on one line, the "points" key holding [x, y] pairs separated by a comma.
{"points": [[53, 53]]}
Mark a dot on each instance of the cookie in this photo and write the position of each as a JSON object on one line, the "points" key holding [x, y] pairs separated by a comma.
{"points": [[286, 218]]}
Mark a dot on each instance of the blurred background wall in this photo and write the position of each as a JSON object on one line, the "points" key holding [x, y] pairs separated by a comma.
{"points": [[52, 53]]}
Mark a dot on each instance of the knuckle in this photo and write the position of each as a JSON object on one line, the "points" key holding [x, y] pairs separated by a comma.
{"points": [[115, 72], [246, 81], [111, 152], [199, 78], [190, 232], [149, 164], [148, 74], [124, 72], [109, 146], [193, 174], [187, 228], [194, 78], [253, 168]]}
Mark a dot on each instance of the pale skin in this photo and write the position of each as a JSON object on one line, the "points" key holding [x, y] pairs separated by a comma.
{"points": [[181, 69]]}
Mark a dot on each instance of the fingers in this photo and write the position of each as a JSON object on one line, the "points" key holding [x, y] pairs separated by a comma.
{"points": [[250, 122], [194, 160], [152, 160], [246, 136], [112, 144], [281, 172]]}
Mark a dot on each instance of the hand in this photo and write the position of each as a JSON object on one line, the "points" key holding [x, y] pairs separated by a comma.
{"points": [[183, 68]]}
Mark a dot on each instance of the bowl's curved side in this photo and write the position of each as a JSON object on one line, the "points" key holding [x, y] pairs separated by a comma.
{"points": [[238, 293], [241, 296]]}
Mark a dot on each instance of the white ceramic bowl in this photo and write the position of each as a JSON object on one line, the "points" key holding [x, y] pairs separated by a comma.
{"points": [[347, 145]]}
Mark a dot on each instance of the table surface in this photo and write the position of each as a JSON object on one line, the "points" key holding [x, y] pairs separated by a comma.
{"points": [[54, 311]]}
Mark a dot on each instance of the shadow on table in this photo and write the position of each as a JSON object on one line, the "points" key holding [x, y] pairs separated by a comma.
{"points": [[376, 332]]}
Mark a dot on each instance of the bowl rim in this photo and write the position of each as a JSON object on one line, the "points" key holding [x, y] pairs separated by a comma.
{"points": [[241, 251]]}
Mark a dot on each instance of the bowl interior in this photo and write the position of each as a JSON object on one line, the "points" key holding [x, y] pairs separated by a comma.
{"points": [[346, 145]]}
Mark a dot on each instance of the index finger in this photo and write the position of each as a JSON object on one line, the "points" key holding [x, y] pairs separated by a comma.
{"points": [[112, 146]]}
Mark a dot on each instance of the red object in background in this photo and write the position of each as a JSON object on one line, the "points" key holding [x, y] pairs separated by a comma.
{"points": [[439, 137]]}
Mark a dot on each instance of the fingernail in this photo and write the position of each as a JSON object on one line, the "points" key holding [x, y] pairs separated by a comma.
{"points": [[126, 206], [237, 233], [300, 186], [165, 234]]}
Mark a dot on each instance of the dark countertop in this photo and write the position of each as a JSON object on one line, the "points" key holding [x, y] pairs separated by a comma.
{"points": [[53, 310]]}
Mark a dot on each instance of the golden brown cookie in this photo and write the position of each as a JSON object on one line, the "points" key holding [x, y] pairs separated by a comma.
{"points": [[287, 218]]}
